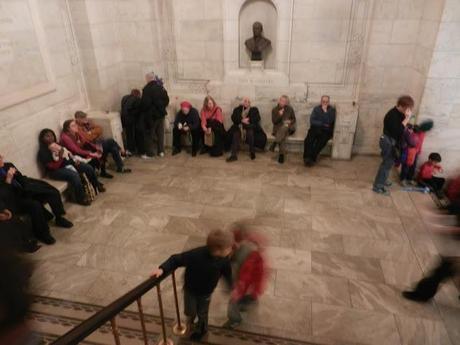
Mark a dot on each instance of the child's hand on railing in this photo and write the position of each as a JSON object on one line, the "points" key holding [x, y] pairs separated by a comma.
{"points": [[157, 273]]}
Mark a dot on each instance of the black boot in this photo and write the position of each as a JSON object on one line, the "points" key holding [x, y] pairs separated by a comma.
{"points": [[281, 158], [253, 156], [63, 222]]}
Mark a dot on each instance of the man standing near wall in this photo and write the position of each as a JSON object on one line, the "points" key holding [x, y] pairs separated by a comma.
{"points": [[394, 124], [154, 101]]}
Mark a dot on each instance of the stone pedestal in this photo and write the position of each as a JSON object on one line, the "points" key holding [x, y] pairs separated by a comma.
{"points": [[256, 66], [344, 132]]}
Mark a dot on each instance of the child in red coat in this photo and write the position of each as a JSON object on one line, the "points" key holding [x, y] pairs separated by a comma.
{"points": [[249, 271], [428, 170]]}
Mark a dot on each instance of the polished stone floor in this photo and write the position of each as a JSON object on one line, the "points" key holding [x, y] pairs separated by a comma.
{"points": [[339, 254]]}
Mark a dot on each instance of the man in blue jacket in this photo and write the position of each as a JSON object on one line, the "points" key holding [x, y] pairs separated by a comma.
{"points": [[322, 120]]}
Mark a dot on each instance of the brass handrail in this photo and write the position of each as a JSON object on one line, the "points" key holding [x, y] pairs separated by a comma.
{"points": [[108, 314]]}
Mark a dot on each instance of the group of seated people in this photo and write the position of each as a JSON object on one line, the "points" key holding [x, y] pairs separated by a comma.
{"points": [[78, 158], [206, 132]]}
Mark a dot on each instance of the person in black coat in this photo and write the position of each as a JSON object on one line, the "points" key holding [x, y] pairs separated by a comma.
{"points": [[204, 266], [394, 125], [30, 195], [154, 101], [246, 126], [322, 121], [130, 109], [187, 121], [15, 233]]}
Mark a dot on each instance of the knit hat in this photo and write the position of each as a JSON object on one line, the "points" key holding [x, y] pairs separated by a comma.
{"points": [[186, 104]]}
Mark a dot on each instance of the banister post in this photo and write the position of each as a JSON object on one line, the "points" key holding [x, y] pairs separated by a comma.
{"points": [[164, 340], [178, 328], [141, 315], [116, 335]]}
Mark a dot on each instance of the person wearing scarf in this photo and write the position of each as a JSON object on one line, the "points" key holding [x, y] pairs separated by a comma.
{"points": [[246, 127], [212, 123], [62, 165]]}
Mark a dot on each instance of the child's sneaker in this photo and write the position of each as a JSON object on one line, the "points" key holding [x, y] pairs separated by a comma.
{"points": [[404, 183], [231, 324], [381, 190]]}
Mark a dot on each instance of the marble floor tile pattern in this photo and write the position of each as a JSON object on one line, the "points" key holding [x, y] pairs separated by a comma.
{"points": [[339, 254]]}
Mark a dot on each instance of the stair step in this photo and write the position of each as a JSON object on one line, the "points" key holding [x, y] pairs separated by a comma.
{"points": [[50, 318]]}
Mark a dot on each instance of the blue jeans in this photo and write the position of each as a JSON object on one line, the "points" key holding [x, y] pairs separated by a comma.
{"points": [[73, 178], [111, 146], [387, 146]]}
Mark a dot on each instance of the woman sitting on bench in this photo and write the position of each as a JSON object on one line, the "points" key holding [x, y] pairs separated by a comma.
{"points": [[60, 164]]}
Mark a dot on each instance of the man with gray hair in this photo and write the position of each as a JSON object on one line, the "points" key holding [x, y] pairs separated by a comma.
{"points": [[154, 101], [322, 120], [284, 125]]}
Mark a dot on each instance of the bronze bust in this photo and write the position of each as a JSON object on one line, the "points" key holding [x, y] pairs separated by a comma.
{"points": [[258, 43]]}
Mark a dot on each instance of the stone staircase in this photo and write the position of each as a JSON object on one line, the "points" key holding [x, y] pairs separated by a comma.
{"points": [[51, 318]]}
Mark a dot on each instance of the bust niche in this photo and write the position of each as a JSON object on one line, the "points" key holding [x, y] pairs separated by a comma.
{"points": [[257, 35]]}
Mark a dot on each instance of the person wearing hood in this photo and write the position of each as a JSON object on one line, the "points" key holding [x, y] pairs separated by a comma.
{"points": [[154, 102], [187, 122], [212, 123]]}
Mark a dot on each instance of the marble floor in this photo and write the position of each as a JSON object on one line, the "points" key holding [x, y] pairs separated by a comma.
{"points": [[339, 254]]}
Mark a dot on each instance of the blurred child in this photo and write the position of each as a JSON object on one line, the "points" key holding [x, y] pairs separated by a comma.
{"points": [[428, 170], [412, 143], [249, 274], [203, 268]]}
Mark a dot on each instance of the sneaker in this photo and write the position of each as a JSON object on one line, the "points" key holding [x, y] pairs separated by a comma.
{"points": [[414, 296], [404, 183], [382, 191], [197, 336], [231, 324], [145, 157], [105, 174], [124, 171], [253, 156], [101, 188], [63, 222], [85, 202], [308, 162], [128, 153], [232, 159], [388, 183], [161, 154], [281, 159], [176, 151], [47, 239], [31, 246]]}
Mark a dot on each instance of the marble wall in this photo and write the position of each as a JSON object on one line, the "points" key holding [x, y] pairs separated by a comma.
{"points": [[441, 95], [401, 40], [363, 51], [21, 123]]}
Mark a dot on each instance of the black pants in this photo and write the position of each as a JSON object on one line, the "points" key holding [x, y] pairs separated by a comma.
{"points": [[427, 287], [73, 178], [17, 234], [236, 141], [315, 141], [46, 194], [110, 146], [39, 216], [435, 183], [219, 138], [408, 172], [130, 135], [197, 306], [177, 134]]}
